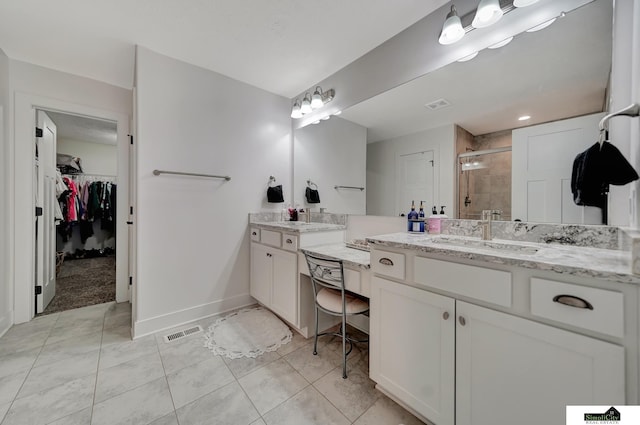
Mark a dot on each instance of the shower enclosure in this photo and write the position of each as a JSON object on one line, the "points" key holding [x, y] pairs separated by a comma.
{"points": [[484, 183]]}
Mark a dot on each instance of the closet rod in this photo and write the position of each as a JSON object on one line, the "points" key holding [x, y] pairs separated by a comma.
{"points": [[349, 187], [180, 173], [88, 174]]}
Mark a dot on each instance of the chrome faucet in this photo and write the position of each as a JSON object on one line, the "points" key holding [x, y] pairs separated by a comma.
{"points": [[487, 218]]}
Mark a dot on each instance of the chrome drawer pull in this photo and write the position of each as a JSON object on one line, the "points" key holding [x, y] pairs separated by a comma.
{"points": [[386, 261], [289, 241], [254, 234], [572, 301]]}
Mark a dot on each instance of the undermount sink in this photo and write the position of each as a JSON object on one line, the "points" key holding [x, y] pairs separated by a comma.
{"points": [[479, 243]]}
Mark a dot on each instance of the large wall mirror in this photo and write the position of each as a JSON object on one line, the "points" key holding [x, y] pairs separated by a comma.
{"points": [[452, 137]]}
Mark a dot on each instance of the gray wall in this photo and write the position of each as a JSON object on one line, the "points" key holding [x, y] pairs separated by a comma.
{"points": [[6, 290]]}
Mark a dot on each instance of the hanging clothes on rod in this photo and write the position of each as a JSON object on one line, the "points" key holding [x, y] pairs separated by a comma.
{"points": [[89, 197]]}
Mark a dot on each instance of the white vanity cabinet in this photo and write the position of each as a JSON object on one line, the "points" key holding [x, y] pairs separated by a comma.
{"points": [[412, 348], [274, 280], [449, 332]]}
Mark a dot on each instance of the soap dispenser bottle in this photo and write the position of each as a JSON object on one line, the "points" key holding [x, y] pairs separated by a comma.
{"points": [[421, 217], [434, 221], [412, 224]]}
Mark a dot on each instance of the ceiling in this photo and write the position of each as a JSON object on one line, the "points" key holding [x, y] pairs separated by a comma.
{"points": [[84, 129], [282, 46], [559, 72]]}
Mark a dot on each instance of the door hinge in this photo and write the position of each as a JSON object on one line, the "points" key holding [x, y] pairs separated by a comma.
{"points": [[129, 222], [131, 139], [38, 289], [38, 132], [131, 210], [130, 280], [38, 211]]}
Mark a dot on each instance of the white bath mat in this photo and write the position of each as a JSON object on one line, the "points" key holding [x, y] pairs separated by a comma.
{"points": [[249, 332]]}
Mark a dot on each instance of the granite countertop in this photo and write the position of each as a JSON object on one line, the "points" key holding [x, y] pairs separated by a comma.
{"points": [[608, 264], [350, 256], [298, 226]]}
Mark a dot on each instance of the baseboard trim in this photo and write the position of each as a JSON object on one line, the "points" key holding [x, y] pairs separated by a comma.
{"points": [[177, 318], [6, 321]]}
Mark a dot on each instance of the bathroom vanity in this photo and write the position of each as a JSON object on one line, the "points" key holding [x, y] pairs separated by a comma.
{"points": [[492, 332]]}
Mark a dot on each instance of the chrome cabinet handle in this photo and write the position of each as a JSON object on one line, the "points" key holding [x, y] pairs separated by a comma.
{"points": [[462, 320], [572, 301], [445, 315], [254, 233], [386, 261], [289, 241], [269, 255]]}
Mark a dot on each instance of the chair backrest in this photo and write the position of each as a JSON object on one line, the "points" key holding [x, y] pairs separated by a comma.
{"points": [[325, 272]]}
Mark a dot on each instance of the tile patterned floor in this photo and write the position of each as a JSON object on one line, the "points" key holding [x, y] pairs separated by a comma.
{"points": [[80, 367]]}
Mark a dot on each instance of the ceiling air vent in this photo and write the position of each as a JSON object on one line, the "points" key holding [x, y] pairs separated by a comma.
{"points": [[437, 104]]}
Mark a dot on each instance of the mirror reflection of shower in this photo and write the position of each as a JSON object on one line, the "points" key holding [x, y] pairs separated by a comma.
{"points": [[484, 182]]}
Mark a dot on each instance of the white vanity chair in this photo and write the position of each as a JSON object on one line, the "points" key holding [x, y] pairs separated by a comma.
{"points": [[330, 296]]}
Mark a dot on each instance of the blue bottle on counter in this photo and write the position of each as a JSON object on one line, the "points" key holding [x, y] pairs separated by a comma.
{"points": [[413, 224]]}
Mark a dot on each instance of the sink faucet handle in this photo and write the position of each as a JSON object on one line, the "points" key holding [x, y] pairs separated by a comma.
{"points": [[487, 215]]}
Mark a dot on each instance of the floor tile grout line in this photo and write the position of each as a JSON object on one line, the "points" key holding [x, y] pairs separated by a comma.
{"points": [[95, 384], [166, 379]]}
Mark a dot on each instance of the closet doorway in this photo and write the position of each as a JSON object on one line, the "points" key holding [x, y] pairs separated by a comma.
{"points": [[76, 184]]}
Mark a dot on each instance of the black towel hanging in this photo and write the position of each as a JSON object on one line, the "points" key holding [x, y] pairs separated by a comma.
{"points": [[274, 193]]}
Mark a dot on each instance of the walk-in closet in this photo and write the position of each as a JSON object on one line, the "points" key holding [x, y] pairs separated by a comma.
{"points": [[84, 191]]}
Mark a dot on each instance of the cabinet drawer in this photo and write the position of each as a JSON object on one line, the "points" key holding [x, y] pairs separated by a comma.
{"points": [[255, 234], [270, 238], [488, 285], [594, 309], [386, 263], [289, 242]]}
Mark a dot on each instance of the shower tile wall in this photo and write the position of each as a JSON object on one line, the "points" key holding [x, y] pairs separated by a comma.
{"points": [[490, 187]]}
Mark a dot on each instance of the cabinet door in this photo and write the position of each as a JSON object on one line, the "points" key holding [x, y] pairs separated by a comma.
{"points": [[284, 293], [261, 273], [412, 347], [513, 370]]}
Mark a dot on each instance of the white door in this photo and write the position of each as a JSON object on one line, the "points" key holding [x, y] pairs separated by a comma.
{"points": [[45, 199], [412, 347], [511, 370], [416, 181], [543, 155]]}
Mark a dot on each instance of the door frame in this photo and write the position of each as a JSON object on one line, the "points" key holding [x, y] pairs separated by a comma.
{"points": [[21, 231]]}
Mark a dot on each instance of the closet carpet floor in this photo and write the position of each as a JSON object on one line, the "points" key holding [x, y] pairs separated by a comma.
{"points": [[84, 282]]}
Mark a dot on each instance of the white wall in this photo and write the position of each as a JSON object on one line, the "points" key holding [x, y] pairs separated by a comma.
{"points": [[331, 153], [97, 158], [381, 168], [33, 86], [192, 236], [6, 288]]}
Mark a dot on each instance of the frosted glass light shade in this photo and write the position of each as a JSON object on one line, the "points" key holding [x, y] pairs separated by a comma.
{"points": [[305, 108], [452, 30], [316, 99], [295, 111], [523, 3], [501, 43], [488, 13], [542, 25]]}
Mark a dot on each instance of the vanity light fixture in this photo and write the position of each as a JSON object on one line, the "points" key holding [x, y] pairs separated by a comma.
{"points": [[337, 113], [488, 13], [325, 118], [452, 30], [524, 118], [542, 25], [523, 3], [316, 122], [309, 103], [468, 57], [501, 43]]}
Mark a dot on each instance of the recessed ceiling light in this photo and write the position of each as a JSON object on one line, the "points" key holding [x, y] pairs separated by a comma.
{"points": [[524, 118], [468, 57], [501, 43]]}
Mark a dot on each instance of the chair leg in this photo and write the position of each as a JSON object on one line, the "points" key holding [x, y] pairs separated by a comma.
{"points": [[315, 342], [344, 347]]}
